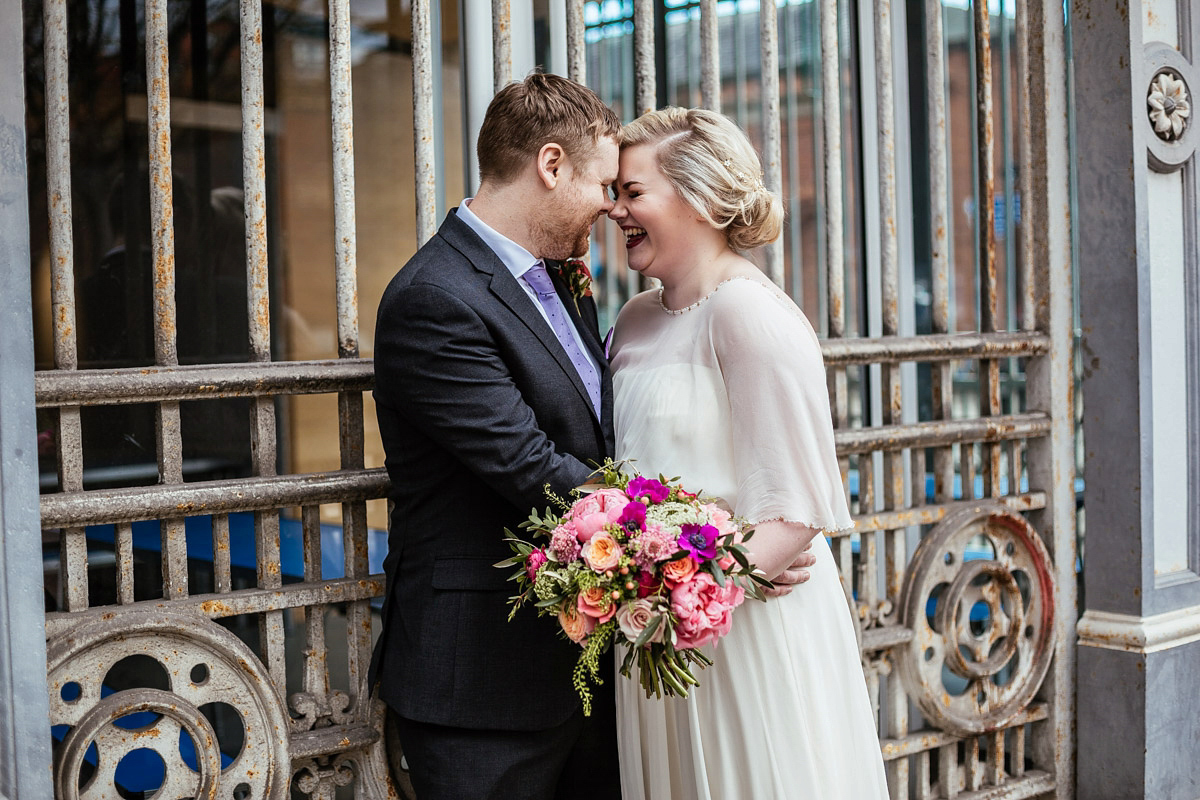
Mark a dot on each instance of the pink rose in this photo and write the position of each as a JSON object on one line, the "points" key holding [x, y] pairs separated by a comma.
{"points": [[577, 626], [534, 562], [597, 510], [597, 604], [634, 616], [704, 610], [720, 519], [601, 552]]}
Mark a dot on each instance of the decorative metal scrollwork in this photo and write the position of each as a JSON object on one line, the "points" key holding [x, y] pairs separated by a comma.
{"points": [[204, 664], [979, 597]]}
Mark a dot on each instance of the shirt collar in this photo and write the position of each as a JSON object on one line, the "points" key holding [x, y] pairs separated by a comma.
{"points": [[517, 259]]}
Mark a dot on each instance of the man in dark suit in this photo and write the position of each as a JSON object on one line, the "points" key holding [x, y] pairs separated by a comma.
{"points": [[492, 384]]}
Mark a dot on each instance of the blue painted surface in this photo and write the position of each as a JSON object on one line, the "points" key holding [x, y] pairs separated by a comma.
{"points": [[198, 530]]}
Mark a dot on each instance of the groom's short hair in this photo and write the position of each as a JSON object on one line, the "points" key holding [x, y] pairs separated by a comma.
{"points": [[526, 115]]}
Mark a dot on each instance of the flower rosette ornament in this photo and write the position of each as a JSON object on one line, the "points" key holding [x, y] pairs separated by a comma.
{"points": [[639, 562]]}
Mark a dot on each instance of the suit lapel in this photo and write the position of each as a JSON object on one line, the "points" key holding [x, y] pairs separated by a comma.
{"points": [[505, 287]]}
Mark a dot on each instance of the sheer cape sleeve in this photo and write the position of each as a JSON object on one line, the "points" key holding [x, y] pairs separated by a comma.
{"points": [[770, 361]]}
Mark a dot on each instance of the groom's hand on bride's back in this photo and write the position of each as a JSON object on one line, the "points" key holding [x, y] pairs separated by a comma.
{"points": [[796, 574]]}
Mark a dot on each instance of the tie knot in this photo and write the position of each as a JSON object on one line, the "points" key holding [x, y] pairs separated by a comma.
{"points": [[539, 280]]}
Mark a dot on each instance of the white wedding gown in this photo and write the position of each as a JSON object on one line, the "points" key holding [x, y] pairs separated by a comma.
{"points": [[730, 395]]}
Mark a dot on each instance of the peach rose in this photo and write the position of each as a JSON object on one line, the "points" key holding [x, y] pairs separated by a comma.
{"points": [[601, 552], [720, 519], [597, 604], [679, 571], [577, 626]]}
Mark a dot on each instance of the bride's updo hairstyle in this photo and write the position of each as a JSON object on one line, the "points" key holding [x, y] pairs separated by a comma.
{"points": [[714, 168]]}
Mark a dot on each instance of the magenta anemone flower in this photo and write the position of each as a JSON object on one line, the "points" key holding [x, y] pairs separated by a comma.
{"points": [[647, 487], [633, 517], [699, 540]]}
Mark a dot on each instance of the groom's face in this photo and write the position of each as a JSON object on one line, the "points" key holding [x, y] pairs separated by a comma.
{"points": [[581, 198]]}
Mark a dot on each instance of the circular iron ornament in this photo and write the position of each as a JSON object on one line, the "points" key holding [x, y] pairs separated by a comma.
{"points": [[203, 663], [112, 742], [982, 622], [1172, 138]]}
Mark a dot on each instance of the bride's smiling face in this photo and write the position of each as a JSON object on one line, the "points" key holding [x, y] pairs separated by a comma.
{"points": [[660, 227]]}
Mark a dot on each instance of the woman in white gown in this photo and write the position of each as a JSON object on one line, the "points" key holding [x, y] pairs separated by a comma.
{"points": [[719, 379]]}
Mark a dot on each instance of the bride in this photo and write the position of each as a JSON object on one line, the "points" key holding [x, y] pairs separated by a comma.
{"points": [[718, 379]]}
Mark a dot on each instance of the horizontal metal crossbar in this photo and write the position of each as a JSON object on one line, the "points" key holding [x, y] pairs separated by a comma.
{"points": [[231, 604], [76, 509], [927, 515], [56, 388], [153, 384], [933, 347], [931, 434], [919, 741], [331, 740]]}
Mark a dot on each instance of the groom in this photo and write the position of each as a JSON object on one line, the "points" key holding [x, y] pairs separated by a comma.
{"points": [[491, 384]]}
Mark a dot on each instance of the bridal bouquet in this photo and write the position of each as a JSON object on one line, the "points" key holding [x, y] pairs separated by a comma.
{"points": [[640, 562]]}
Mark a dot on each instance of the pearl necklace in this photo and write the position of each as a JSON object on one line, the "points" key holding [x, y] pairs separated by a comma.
{"points": [[675, 312]]}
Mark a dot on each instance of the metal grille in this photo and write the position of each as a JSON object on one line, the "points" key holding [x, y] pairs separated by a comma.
{"points": [[964, 600]]}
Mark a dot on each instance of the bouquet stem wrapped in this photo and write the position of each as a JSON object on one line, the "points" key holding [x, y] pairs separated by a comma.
{"points": [[641, 562]]}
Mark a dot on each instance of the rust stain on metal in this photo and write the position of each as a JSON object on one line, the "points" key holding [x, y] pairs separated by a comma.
{"points": [[216, 607]]}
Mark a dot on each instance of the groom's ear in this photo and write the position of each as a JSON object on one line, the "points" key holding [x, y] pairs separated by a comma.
{"points": [[550, 161]]}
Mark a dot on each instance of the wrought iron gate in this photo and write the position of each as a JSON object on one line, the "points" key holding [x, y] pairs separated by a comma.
{"points": [[962, 586]]}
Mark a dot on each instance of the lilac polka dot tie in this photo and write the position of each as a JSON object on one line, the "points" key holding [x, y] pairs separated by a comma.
{"points": [[539, 280]]}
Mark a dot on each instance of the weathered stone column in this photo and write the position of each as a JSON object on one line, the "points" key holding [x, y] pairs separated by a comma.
{"points": [[1139, 639]]}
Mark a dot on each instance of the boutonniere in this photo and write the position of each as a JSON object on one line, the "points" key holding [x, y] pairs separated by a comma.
{"points": [[578, 278]]}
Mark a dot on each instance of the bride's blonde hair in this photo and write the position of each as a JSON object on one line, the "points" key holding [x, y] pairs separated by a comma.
{"points": [[712, 165]]}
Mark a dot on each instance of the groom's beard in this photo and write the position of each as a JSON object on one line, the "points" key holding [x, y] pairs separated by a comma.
{"points": [[566, 232]]}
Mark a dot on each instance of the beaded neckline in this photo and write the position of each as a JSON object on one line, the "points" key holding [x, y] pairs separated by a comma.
{"points": [[675, 312]]}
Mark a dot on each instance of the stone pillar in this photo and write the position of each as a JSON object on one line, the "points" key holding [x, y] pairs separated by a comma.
{"points": [[1138, 710]]}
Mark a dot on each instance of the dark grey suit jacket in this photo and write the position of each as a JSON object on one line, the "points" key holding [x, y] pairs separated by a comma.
{"points": [[479, 409]]}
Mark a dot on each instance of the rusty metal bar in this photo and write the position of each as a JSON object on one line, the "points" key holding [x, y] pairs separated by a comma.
{"points": [[710, 57], [831, 166], [423, 132], [1049, 383], [923, 777], [927, 515], [124, 551], [167, 426], [643, 55], [332, 740], [927, 740], [576, 43], [247, 601], [972, 765], [316, 673], [134, 503], [947, 765], [345, 247], [995, 758], [502, 68], [1025, 160], [768, 22], [927, 434], [1018, 751], [151, 384], [58, 184], [885, 636], [254, 180], [941, 375], [222, 576]]}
